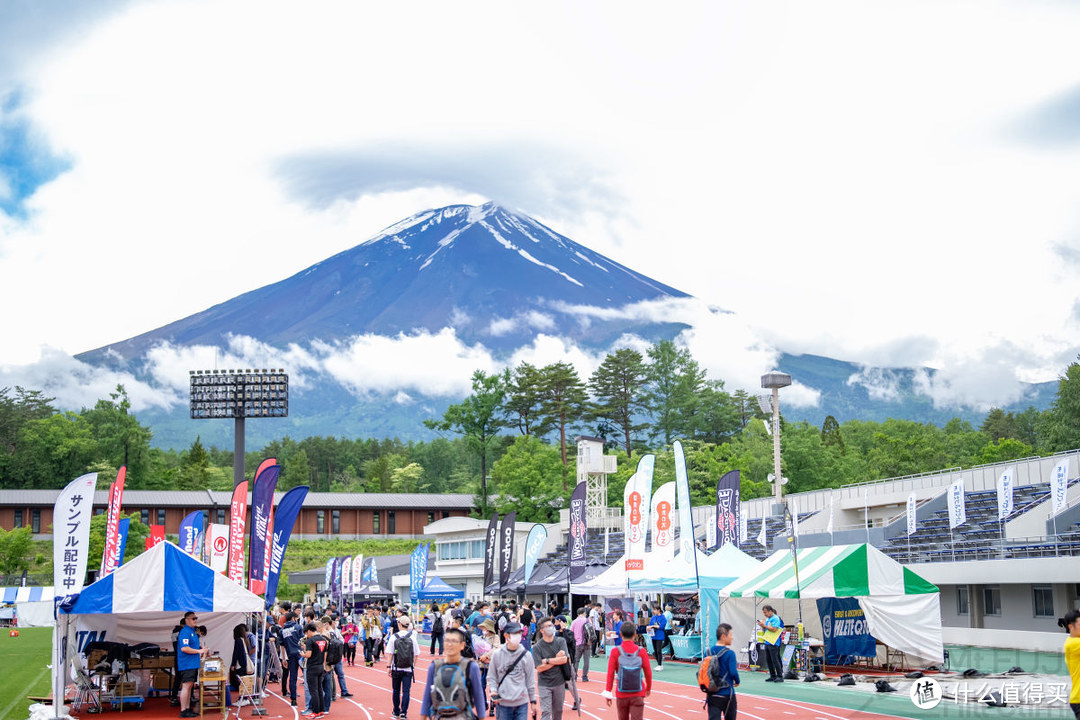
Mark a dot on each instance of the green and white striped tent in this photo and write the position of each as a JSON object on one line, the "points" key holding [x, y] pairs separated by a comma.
{"points": [[901, 608]]}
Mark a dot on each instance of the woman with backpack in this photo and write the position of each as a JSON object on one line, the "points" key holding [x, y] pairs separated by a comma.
{"points": [[718, 677], [629, 674], [402, 648]]}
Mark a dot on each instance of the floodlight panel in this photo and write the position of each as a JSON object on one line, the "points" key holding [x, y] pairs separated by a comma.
{"points": [[239, 394]]}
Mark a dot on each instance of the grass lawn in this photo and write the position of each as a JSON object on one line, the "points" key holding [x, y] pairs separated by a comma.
{"points": [[25, 660]]}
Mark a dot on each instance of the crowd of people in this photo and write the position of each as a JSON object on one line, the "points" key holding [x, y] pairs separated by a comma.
{"points": [[497, 660]]}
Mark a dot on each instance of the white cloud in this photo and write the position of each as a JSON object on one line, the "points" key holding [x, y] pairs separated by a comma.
{"points": [[881, 384], [834, 205]]}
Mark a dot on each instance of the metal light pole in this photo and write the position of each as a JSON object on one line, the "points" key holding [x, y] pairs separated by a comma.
{"points": [[774, 381]]}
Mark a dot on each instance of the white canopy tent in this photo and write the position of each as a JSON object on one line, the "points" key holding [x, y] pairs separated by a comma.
{"points": [[902, 610], [145, 598], [610, 583]]}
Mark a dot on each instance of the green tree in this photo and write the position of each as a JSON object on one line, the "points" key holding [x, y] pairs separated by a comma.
{"points": [[746, 407], [15, 411], [120, 439], [296, 470], [674, 383], [564, 401], [478, 420], [524, 400], [617, 386], [1005, 449], [831, 437], [53, 451], [717, 417], [16, 550], [195, 468], [407, 479], [528, 479], [1063, 418]]}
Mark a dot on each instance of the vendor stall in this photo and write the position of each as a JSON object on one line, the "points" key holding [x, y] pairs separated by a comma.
{"points": [[145, 598], [890, 603], [436, 590]]}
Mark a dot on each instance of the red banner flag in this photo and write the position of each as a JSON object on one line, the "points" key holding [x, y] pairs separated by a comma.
{"points": [[236, 533], [157, 534], [110, 560]]}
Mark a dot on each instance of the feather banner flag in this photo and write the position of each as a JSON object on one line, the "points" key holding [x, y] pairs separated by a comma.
{"points": [[112, 524], [237, 516], [262, 506], [287, 512]]}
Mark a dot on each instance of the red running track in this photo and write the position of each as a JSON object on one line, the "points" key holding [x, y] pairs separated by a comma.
{"points": [[371, 700]]}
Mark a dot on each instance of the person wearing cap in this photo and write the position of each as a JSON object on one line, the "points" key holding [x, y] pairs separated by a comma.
{"points": [[511, 680], [401, 677], [188, 659]]}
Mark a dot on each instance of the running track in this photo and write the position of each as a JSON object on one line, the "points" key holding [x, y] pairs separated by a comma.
{"points": [[371, 700]]}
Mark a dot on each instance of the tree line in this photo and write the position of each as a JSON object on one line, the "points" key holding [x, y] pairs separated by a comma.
{"points": [[511, 436]]}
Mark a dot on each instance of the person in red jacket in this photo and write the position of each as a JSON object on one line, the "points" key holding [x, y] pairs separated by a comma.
{"points": [[629, 704]]}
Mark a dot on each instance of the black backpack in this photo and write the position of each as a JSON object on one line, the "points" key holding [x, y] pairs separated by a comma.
{"points": [[467, 651], [403, 651], [335, 649], [436, 624]]}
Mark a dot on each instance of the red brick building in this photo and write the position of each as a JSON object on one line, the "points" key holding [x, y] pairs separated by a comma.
{"points": [[350, 515]]}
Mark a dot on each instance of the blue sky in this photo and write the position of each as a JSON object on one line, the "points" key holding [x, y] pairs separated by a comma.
{"points": [[893, 183]]}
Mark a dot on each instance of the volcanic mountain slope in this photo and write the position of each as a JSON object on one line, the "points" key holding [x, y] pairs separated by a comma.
{"points": [[495, 276]]}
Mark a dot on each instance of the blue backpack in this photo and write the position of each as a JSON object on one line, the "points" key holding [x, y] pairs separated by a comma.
{"points": [[630, 677]]}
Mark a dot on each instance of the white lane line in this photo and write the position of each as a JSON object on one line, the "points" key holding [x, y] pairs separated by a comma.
{"points": [[295, 713]]}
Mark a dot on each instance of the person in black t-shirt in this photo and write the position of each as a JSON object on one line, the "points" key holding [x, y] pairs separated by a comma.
{"points": [[315, 652]]}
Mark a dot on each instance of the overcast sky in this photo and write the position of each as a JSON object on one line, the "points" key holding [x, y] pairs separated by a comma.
{"points": [[893, 183]]}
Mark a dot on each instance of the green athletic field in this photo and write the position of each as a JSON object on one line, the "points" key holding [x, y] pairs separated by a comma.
{"points": [[25, 660]]}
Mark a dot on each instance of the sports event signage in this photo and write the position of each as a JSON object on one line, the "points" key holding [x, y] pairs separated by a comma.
{"points": [[844, 629], [578, 531], [728, 518]]}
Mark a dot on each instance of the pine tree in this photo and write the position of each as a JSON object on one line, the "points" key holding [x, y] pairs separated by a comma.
{"points": [[618, 388]]}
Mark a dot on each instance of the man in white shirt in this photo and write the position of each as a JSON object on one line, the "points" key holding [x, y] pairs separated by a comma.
{"points": [[402, 659]]}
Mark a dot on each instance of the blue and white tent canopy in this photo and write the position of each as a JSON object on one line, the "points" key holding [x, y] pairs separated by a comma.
{"points": [[437, 589], [32, 593], [164, 579]]}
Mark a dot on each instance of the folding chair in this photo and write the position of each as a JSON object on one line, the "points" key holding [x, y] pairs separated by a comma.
{"points": [[87, 694], [248, 691]]}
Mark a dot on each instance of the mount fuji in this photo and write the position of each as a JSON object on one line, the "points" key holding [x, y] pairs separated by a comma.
{"points": [[385, 334], [493, 275]]}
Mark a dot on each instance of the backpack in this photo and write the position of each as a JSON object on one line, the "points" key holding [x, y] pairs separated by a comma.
{"points": [[335, 648], [588, 632], [629, 675], [711, 679], [436, 624], [403, 651], [450, 696]]}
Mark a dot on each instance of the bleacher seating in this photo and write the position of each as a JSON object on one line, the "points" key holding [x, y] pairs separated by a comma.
{"points": [[980, 537], [773, 526]]}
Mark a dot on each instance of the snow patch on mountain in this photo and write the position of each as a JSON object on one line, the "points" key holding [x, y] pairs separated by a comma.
{"points": [[523, 253]]}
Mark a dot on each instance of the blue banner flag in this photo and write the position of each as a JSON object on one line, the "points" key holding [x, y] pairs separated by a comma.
{"points": [[844, 630], [533, 545], [191, 529], [122, 529], [371, 574], [417, 570], [287, 512]]}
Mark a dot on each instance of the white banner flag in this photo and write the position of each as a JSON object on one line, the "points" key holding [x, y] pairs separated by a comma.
{"points": [[71, 534], [346, 576], [829, 527], [794, 518], [710, 529], [761, 535], [357, 572], [1005, 493], [686, 518], [744, 531], [1059, 485], [637, 497], [957, 511], [217, 542], [911, 503], [662, 522]]}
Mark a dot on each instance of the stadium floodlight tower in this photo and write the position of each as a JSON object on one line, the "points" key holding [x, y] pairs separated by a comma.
{"points": [[239, 394], [593, 467], [774, 381]]}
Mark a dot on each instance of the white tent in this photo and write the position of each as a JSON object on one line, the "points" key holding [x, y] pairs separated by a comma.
{"points": [[713, 571], [610, 583], [901, 609], [145, 598]]}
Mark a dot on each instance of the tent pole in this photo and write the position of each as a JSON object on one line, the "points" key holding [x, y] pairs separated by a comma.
{"points": [[57, 668]]}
